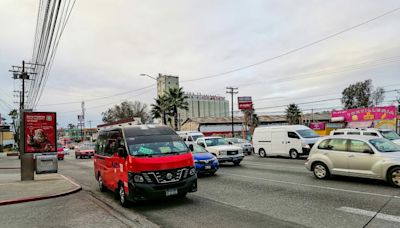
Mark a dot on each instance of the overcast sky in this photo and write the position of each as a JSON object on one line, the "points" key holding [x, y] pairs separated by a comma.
{"points": [[107, 44]]}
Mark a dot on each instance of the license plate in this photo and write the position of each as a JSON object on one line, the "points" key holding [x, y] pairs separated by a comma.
{"points": [[171, 192], [208, 167]]}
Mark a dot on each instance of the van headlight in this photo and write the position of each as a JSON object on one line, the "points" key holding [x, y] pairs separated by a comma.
{"points": [[138, 178], [192, 171], [305, 145]]}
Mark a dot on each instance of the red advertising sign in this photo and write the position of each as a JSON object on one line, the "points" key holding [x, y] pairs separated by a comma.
{"points": [[40, 132], [366, 114], [245, 103]]}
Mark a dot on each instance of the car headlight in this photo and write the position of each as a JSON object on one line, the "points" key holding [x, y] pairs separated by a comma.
{"points": [[138, 178], [213, 159], [192, 171], [195, 161], [305, 145]]}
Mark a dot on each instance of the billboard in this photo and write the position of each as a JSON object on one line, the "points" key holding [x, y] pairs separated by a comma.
{"points": [[366, 114], [40, 132], [317, 126], [245, 103]]}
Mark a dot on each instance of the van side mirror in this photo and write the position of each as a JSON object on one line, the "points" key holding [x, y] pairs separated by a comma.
{"points": [[201, 144], [368, 151], [191, 148], [121, 152], [230, 143]]}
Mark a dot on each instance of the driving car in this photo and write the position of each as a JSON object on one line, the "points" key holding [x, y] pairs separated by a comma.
{"points": [[84, 151], [60, 152], [357, 156], [221, 149], [243, 143], [381, 133], [205, 162]]}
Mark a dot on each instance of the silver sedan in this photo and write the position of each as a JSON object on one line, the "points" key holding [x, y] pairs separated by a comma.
{"points": [[358, 156]]}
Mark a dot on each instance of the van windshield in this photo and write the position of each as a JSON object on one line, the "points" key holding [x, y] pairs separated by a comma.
{"points": [[307, 133], [195, 137], [156, 145], [391, 135]]}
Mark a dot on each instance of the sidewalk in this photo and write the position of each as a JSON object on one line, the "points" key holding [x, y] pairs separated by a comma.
{"points": [[45, 186]]}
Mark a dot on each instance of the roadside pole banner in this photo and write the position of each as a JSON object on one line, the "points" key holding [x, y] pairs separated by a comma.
{"points": [[40, 132]]}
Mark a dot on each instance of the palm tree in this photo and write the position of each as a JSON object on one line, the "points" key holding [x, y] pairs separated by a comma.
{"points": [[177, 100], [293, 114], [161, 108]]}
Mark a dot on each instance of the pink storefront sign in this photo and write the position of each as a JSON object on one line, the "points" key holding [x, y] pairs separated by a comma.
{"points": [[317, 126], [366, 114]]}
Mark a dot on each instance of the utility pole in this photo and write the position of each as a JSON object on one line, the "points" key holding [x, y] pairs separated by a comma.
{"points": [[232, 91]]}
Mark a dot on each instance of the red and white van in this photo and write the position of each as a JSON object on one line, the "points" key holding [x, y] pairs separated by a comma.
{"points": [[143, 162]]}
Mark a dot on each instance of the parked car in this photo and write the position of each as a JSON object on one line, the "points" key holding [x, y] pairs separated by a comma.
{"points": [[358, 156], [381, 133], [190, 137], [246, 146], [290, 140], [60, 152], [84, 151], [221, 149], [143, 162], [205, 162]]}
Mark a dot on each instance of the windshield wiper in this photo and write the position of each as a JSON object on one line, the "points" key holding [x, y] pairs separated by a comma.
{"points": [[143, 155], [172, 152]]}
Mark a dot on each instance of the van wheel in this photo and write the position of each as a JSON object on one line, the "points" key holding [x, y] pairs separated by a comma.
{"points": [[122, 196], [293, 154], [321, 171], [393, 177], [262, 153], [102, 188]]}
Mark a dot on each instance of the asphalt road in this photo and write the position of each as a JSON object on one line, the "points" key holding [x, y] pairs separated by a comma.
{"points": [[261, 192]]}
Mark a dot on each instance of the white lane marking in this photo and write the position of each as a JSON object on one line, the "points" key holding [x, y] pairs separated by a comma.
{"points": [[357, 211], [311, 186], [273, 166]]}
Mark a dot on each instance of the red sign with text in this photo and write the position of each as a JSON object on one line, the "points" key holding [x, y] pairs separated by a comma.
{"points": [[245, 103], [40, 132]]}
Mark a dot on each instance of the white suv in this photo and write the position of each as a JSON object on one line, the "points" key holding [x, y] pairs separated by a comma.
{"points": [[221, 149], [381, 133]]}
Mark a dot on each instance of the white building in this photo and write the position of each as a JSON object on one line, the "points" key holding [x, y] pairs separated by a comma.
{"points": [[165, 82], [204, 106]]}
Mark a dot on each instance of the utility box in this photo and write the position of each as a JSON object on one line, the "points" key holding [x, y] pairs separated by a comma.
{"points": [[46, 164]]}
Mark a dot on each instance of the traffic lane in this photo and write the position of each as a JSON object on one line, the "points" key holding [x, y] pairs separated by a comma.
{"points": [[199, 211], [194, 211], [299, 204], [295, 173], [76, 210]]}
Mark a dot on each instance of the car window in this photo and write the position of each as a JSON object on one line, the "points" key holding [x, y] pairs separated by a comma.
{"points": [[391, 135], [370, 134], [293, 135], [358, 146], [384, 145], [338, 133], [324, 145], [337, 144], [353, 133]]}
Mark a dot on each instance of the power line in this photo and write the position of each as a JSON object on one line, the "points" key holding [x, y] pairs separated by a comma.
{"points": [[296, 49]]}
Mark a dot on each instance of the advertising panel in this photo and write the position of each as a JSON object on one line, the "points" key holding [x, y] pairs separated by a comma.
{"points": [[40, 132], [317, 126], [366, 114], [245, 103]]}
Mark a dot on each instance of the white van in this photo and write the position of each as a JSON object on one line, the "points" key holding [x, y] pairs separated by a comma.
{"points": [[190, 137], [289, 140], [381, 133]]}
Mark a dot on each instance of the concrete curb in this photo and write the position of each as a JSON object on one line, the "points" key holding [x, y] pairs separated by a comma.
{"points": [[36, 198]]}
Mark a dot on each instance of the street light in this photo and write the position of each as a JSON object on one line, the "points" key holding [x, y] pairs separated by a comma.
{"points": [[146, 75]]}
